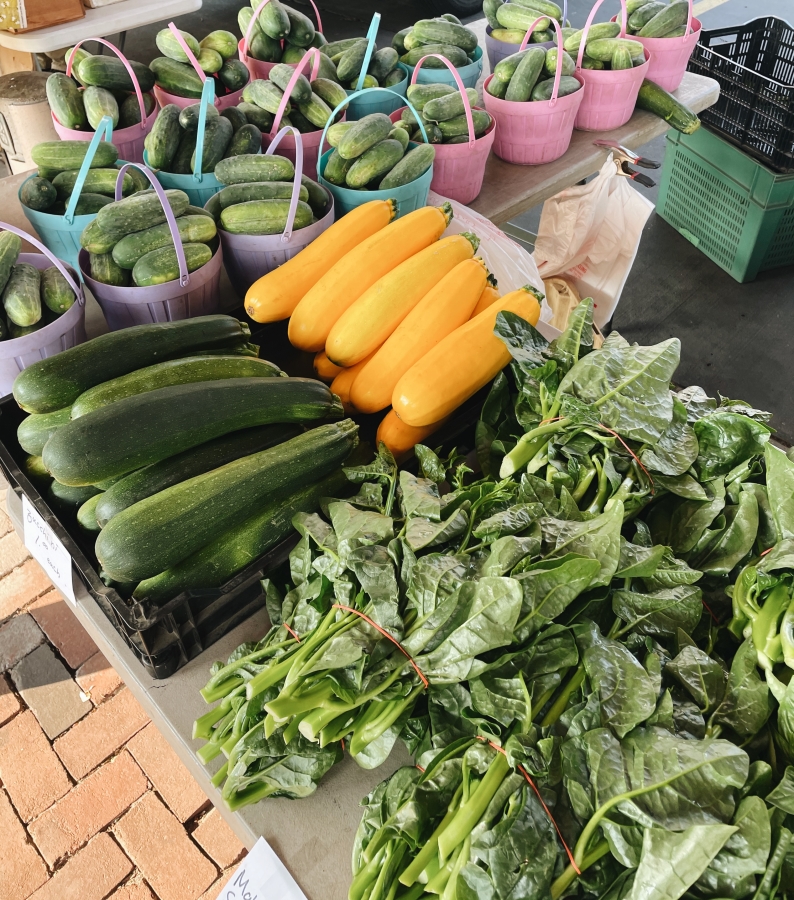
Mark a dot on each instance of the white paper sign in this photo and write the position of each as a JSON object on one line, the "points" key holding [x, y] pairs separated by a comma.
{"points": [[261, 876], [46, 548]]}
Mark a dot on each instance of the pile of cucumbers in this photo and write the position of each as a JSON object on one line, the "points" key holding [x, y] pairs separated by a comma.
{"points": [[107, 90], [278, 22], [440, 109], [445, 36], [174, 73], [510, 21], [171, 144], [255, 199], [657, 18], [348, 57], [603, 48], [130, 243], [373, 154], [529, 75], [58, 166], [32, 298]]}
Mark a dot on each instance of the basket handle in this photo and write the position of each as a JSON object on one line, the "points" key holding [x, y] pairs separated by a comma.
{"points": [[191, 56], [136, 85], [105, 129], [286, 235], [372, 33], [312, 54], [688, 21], [184, 276], [207, 99], [53, 259], [461, 88], [558, 71], [320, 21], [250, 30], [589, 21]]}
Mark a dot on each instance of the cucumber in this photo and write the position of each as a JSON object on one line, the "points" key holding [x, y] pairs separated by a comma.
{"points": [[412, 166], [168, 45], [316, 111], [192, 230], [257, 116], [330, 92], [455, 55], [21, 297], [161, 266], [299, 121], [140, 181], [440, 31], [349, 66], [337, 47], [598, 31], [398, 41], [497, 88], [264, 217], [335, 132], [97, 181], [254, 167], [336, 168], [233, 550], [374, 163], [396, 76], [544, 90], [459, 126], [633, 5], [590, 63], [327, 69], [210, 61], [421, 94], [511, 15], [318, 198], [217, 137], [489, 8], [604, 48], [568, 62], [189, 116], [449, 106], [105, 269], [213, 207], [99, 102], [111, 73], [509, 35], [55, 291], [543, 8], [673, 16], [236, 116], [38, 193], [58, 381], [261, 46], [366, 82], [411, 41], [176, 78], [506, 68], [79, 55], [526, 75], [18, 331], [61, 155], [258, 190], [234, 75], [34, 431], [265, 94], [273, 19], [130, 110], [162, 141], [365, 133], [645, 13], [663, 104], [621, 59], [245, 140], [433, 132], [139, 211], [281, 74], [223, 42], [383, 61], [89, 203], [86, 515], [301, 27], [292, 54], [67, 499], [33, 467], [187, 370], [181, 163], [542, 37], [96, 240], [66, 101], [401, 135], [161, 531]]}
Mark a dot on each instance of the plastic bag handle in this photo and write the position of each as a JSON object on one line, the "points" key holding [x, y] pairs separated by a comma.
{"points": [[286, 235], [105, 129], [250, 30], [311, 54], [560, 52], [53, 259], [461, 88], [589, 21], [207, 99], [372, 33], [184, 276], [188, 52], [127, 66]]}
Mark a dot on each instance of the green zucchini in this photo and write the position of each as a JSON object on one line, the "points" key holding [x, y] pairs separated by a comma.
{"points": [[86, 515], [192, 230], [57, 381], [544, 89], [67, 499], [186, 370], [141, 210], [412, 166], [211, 455], [264, 217], [55, 291], [254, 167], [663, 104], [259, 190], [38, 193], [21, 297], [217, 137], [161, 266], [33, 467], [34, 431], [365, 133], [235, 115], [107, 271], [234, 550], [157, 533], [449, 106]]}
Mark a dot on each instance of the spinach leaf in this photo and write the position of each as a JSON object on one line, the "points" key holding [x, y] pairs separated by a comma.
{"points": [[747, 703], [577, 339], [735, 542], [423, 532], [597, 538], [431, 465], [525, 343], [661, 612], [637, 561], [419, 497], [681, 485], [680, 524], [726, 439], [677, 448], [513, 520], [700, 675], [780, 489], [506, 553]]}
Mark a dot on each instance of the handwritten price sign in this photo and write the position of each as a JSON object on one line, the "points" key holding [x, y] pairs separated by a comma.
{"points": [[47, 550], [261, 876]]}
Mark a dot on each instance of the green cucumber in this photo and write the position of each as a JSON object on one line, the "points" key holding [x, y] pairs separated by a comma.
{"points": [[161, 266], [245, 140], [489, 8], [398, 41], [544, 89], [331, 93], [105, 269], [56, 293], [67, 499], [34, 431], [181, 164], [209, 60], [411, 41], [169, 46], [192, 230], [335, 132], [421, 94], [292, 54], [66, 101], [440, 31], [86, 515], [189, 116], [318, 198], [99, 102], [218, 135], [412, 166], [58, 156], [76, 56], [301, 27], [336, 168], [265, 94], [383, 61], [568, 62], [162, 141], [176, 78], [459, 125], [18, 331], [261, 46], [401, 135], [38, 193], [130, 110], [590, 63], [349, 66], [396, 76], [633, 5], [254, 167], [455, 55], [33, 467], [336, 47], [497, 88], [673, 16], [598, 31], [511, 15], [365, 133], [604, 48], [223, 42], [316, 110], [281, 74], [21, 297], [526, 75], [374, 163], [257, 116], [264, 217], [366, 82], [141, 210], [161, 531], [96, 240], [506, 68], [273, 19], [449, 106], [97, 181], [236, 116], [213, 207], [111, 73], [621, 59], [258, 190], [663, 104], [645, 13]]}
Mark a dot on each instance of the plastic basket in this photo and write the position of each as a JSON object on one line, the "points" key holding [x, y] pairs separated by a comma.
{"points": [[367, 100], [737, 211], [609, 96], [754, 65], [669, 56], [68, 330], [259, 68], [249, 257], [469, 74], [192, 294], [499, 50]]}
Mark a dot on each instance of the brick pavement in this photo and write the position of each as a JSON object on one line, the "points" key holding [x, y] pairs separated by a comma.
{"points": [[94, 804]]}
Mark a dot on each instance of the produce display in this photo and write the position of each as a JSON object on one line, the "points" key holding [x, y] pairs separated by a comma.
{"points": [[310, 104], [99, 86], [529, 75], [658, 18], [348, 58], [442, 112], [604, 49], [280, 34], [445, 35], [509, 22], [175, 74]]}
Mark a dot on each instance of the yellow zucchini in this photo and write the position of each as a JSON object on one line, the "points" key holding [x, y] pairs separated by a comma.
{"points": [[345, 281], [489, 295], [442, 309], [457, 367], [363, 327], [401, 438], [324, 368], [344, 381]]}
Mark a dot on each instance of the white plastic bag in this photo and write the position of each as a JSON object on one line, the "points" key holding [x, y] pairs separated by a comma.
{"points": [[590, 233]]}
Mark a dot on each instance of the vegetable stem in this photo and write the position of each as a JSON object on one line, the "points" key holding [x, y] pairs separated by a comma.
{"points": [[560, 704], [570, 875]]}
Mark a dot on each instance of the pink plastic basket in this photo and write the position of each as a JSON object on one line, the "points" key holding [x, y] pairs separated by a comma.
{"points": [[257, 67], [538, 131], [458, 169], [670, 56], [499, 50], [128, 141], [248, 257], [609, 97], [192, 294]]}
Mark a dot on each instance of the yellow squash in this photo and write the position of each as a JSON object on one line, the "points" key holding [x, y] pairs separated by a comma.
{"points": [[325, 369], [345, 280], [343, 382], [275, 295], [489, 295], [379, 310], [401, 438], [442, 309], [457, 367]]}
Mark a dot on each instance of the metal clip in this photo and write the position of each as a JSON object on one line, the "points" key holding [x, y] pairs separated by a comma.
{"points": [[628, 155]]}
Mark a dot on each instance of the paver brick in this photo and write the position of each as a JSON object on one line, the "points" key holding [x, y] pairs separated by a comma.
{"points": [[12, 552], [183, 873], [214, 890], [100, 734], [21, 868], [98, 678], [17, 638], [6, 524], [21, 586], [217, 840], [134, 890], [167, 773], [31, 771], [88, 808], [9, 702], [48, 689], [63, 628], [90, 874]]}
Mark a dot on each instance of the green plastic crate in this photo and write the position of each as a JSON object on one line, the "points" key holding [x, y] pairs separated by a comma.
{"points": [[730, 206]]}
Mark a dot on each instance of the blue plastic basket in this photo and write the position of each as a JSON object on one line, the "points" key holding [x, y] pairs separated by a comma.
{"points": [[469, 74], [374, 101]]}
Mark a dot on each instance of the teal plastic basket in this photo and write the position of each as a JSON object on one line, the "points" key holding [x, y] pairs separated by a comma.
{"points": [[374, 100], [734, 209], [469, 74]]}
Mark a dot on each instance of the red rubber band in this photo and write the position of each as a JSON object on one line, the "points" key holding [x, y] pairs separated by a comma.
{"points": [[293, 633], [632, 454], [385, 633]]}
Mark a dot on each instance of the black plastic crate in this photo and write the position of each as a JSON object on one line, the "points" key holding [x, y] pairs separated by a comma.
{"points": [[754, 65]]}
